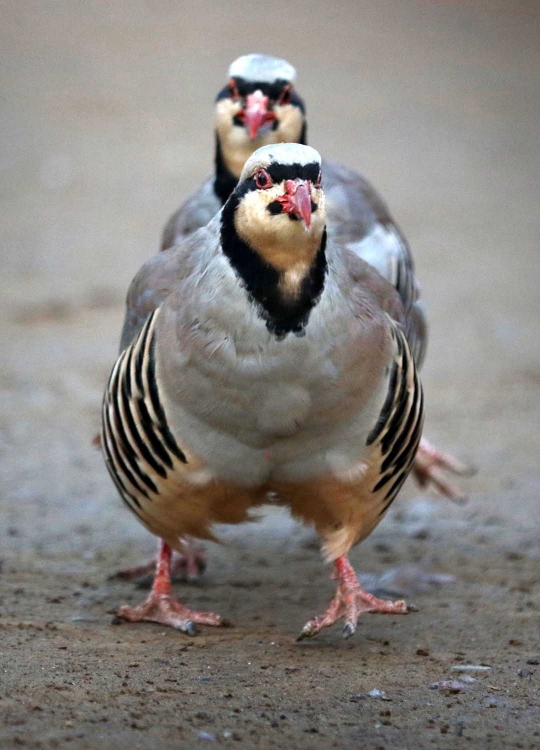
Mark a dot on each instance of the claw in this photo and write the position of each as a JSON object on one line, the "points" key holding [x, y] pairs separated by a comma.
{"points": [[349, 603], [429, 466], [161, 605]]}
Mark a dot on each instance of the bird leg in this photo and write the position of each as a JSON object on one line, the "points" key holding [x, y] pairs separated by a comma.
{"points": [[429, 466], [162, 607], [188, 566], [349, 603]]}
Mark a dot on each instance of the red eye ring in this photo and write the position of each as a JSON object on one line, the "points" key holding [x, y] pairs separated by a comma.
{"points": [[233, 90], [285, 96], [263, 180]]}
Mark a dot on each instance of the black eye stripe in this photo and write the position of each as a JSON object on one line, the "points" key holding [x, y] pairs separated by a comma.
{"points": [[280, 172], [272, 90]]}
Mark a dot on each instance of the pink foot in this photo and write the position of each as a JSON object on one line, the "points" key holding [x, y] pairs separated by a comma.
{"points": [[349, 603], [429, 466], [184, 567], [161, 605]]}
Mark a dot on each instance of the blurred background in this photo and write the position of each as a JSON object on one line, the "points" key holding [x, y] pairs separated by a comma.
{"points": [[106, 125]]}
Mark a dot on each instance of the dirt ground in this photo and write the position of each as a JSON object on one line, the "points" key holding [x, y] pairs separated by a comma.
{"points": [[106, 125]]}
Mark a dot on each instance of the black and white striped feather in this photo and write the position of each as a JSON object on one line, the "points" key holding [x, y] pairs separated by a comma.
{"points": [[396, 435], [141, 453]]}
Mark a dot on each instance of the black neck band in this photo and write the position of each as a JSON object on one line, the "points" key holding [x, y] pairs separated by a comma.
{"points": [[225, 181]]}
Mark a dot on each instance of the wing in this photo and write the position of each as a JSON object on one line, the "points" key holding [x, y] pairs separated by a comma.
{"points": [[397, 432], [142, 455], [154, 282], [149, 288], [370, 288], [360, 220], [194, 213], [391, 446]]}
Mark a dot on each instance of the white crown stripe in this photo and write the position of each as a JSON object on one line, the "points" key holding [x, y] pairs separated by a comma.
{"points": [[262, 68], [280, 153]]}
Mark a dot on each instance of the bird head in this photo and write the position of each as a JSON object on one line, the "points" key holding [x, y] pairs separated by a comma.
{"points": [[280, 211], [259, 106]]}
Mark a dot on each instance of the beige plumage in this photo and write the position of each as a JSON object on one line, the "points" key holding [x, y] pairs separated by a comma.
{"points": [[241, 383]]}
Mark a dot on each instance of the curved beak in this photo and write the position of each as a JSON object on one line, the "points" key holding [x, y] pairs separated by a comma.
{"points": [[256, 113], [297, 200]]}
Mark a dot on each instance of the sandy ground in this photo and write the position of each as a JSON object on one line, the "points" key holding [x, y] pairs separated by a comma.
{"points": [[106, 125]]}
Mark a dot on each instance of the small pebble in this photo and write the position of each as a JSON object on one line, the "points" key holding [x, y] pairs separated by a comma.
{"points": [[376, 693], [533, 661], [448, 687], [204, 715], [206, 737]]}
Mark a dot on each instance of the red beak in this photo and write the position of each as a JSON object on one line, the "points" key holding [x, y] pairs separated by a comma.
{"points": [[297, 200], [256, 113]]}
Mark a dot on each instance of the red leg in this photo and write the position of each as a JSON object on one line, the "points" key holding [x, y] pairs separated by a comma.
{"points": [[349, 603], [188, 566], [161, 605], [429, 466]]}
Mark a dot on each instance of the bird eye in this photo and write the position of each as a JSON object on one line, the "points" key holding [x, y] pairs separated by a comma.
{"points": [[285, 96], [318, 182], [233, 90], [263, 180]]}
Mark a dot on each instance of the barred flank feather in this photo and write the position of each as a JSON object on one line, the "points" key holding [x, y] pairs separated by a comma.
{"points": [[139, 448], [399, 427]]}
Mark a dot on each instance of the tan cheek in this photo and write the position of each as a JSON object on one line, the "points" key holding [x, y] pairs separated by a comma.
{"points": [[318, 197], [290, 125], [281, 242], [252, 216], [226, 109], [236, 146], [252, 221]]}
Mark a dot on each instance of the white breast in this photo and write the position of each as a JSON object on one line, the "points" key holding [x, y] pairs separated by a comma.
{"points": [[255, 408]]}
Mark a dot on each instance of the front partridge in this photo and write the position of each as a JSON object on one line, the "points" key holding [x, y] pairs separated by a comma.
{"points": [[275, 362]]}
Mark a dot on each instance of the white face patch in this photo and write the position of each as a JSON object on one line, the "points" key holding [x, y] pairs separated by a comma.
{"points": [[282, 242], [237, 146]]}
